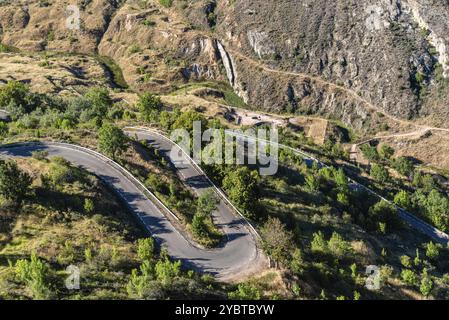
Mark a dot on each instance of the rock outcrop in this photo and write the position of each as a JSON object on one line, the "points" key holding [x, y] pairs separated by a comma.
{"points": [[390, 53], [351, 60]]}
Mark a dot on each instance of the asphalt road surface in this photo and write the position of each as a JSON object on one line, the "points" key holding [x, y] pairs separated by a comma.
{"points": [[238, 255], [413, 221]]}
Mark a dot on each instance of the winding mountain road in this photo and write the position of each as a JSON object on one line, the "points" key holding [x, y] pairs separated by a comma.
{"points": [[413, 221], [237, 257]]}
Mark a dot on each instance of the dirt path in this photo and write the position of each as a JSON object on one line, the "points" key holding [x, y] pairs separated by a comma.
{"points": [[336, 87], [319, 80], [418, 133]]}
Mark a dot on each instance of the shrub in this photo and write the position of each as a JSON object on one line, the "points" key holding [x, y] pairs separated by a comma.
{"points": [[432, 250], [89, 206], [34, 274], [14, 183], [166, 3], [403, 166], [409, 277], [245, 291], [380, 173]]}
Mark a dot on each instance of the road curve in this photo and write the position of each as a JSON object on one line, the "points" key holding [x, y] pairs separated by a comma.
{"points": [[413, 221], [237, 256], [192, 175], [159, 140]]}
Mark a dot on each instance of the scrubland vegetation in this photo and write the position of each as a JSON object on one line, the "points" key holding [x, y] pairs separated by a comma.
{"points": [[320, 231]]}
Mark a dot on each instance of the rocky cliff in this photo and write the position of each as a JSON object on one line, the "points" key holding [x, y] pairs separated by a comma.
{"points": [[392, 55], [352, 60]]}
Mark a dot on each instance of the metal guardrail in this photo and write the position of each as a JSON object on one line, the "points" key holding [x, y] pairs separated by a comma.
{"points": [[411, 219], [200, 171], [419, 224], [125, 172], [112, 163]]}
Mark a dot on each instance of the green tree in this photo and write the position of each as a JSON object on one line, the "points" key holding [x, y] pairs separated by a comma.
{"points": [[166, 120], [409, 277], [296, 289], [386, 152], [207, 203], [141, 284], [312, 183], [89, 205], [337, 151], [369, 152], [403, 166], [199, 226], [403, 200], [424, 181], [417, 261], [242, 187], [166, 3], [112, 141], [323, 295], [167, 271], [383, 212], [406, 261], [426, 284], [353, 268], [88, 255], [186, 120], [99, 98], [3, 129], [343, 198], [34, 274], [16, 98], [436, 207], [136, 285], [382, 228], [341, 181], [149, 106], [245, 291], [338, 246], [297, 262], [61, 172], [100, 101], [145, 249], [433, 250], [319, 243], [14, 183], [277, 241], [380, 173]]}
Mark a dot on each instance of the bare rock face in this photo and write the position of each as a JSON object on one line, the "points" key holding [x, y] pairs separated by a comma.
{"points": [[57, 74], [351, 60], [154, 45], [349, 57], [157, 49], [53, 25]]}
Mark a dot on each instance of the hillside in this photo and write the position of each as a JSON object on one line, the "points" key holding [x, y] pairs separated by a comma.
{"points": [[336, 60], [358, 92]]}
